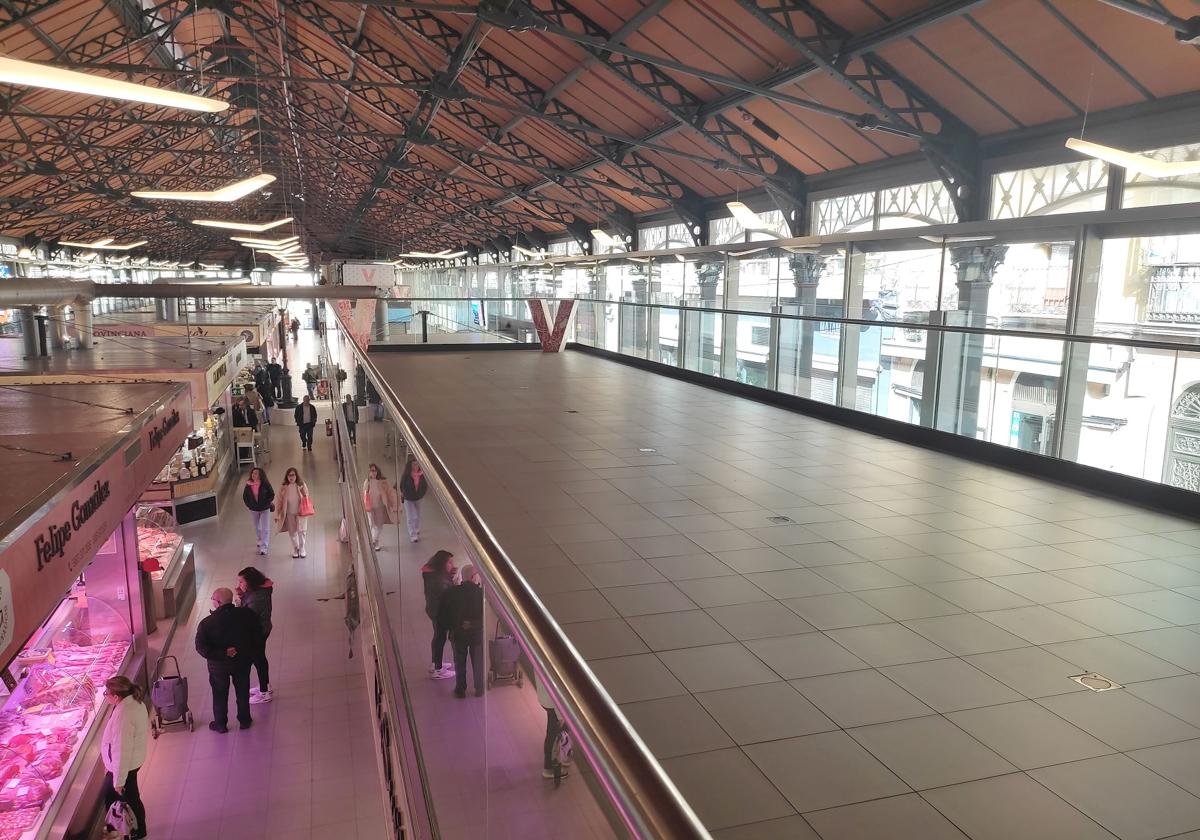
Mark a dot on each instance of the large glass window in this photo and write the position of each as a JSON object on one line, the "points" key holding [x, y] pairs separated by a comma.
{"points": [[1072, 187], [912, 205]]}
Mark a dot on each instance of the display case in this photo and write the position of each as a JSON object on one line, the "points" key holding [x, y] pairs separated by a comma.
{"points": [[192, 479], [166, 560], [52, 712]]}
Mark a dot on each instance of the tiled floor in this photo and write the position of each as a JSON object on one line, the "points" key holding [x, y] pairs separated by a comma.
{"points": [[890, 660], [307, 768]]}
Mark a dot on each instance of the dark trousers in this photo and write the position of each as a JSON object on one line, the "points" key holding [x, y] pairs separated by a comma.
{"points": [[437, 647], [277, 389], [219, 678], [473, 647], [262, 666], [132, 797], [306, 432], [553, 727], [352, 429]]}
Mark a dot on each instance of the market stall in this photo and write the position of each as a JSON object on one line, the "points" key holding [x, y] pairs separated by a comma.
{"points": [[72, 608], [208, 366]]}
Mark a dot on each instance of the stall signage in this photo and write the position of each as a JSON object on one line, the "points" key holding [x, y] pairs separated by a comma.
{"points": [[52, 544], [159, 432], [37, 564], [7, 616]]}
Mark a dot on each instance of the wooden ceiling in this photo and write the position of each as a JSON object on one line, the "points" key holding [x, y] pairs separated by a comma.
{"points": [[394, 126]]}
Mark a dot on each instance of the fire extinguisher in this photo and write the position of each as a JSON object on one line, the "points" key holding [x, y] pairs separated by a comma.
{"points": [[328, 428]]}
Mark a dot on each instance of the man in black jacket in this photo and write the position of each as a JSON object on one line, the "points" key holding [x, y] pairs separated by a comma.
{"points": [[461, 611], [229, 639], [275, 372], [306, 419]]}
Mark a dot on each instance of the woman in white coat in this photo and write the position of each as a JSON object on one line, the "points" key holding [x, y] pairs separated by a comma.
{"points": [[293, 507], [379, 498], [123, 747]]}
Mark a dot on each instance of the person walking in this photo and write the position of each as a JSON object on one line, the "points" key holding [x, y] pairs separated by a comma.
{"points": [[229, 638], [306, 420], [552, 768], [275, 372], [413, 487], [310, 379], [123, 747], [350, 412], [262, 379], [293, 507], [375, 401], [295, 325], [379, 498], [438, 575], [254, 590], [461, 610], [259, 497]]}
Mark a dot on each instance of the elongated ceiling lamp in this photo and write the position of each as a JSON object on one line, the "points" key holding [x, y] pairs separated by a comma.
{"points": [[606, 239], [1134, 162], [265, 243], [247, 227], [441, 255], [227, 193], [107, 244], [526, 252], [28, 74], [747, 218]]}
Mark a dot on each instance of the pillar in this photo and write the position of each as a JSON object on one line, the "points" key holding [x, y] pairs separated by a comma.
{"points": [[381, 330], [729, 323], [633, 320], [849, 341], [29, 343], [83, 324], [60, 335], [955, 390], [1081, 320], [796, 337], [167, 309], [708, 276]]}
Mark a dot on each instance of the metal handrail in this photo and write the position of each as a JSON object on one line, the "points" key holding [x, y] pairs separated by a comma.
{"points": [[831, 319], [647, 801], [419, 802]]}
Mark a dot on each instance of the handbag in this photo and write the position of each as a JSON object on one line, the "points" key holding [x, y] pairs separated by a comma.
{"points": [[306, 506]]}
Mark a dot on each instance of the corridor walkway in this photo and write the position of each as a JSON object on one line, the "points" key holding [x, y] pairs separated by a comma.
{"points": [[307, 769], [824, 633]]}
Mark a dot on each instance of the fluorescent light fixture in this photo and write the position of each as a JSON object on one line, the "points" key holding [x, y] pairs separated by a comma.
{"points": [[118, 260], [106, 244], [953, 240], [645, 260], [265, 243], [208, 267], [28, 74], [441, 255], [1134, 162], [248, 227], [227, 193], [25, 254], [526, 252], [607, 240], [747, 218]]}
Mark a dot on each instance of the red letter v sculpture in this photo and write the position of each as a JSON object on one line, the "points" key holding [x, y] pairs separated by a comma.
{"points": [[553, 339]]}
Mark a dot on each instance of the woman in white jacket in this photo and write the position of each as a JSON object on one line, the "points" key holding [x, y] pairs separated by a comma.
{"points": [[123, 747]]}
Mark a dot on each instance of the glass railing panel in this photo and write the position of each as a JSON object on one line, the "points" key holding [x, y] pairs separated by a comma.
{"points": [[702, 332], [808, 359], [664, 325], [633, 325], [482, 757], [749, 359]]}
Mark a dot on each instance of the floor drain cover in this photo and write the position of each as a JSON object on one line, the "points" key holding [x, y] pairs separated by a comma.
{"points": [[646, 449], [1095, 682], [780, 520], [572, 411]]}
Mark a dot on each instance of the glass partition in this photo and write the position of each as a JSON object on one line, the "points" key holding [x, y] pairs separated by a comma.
{"points": [[487, 752]]}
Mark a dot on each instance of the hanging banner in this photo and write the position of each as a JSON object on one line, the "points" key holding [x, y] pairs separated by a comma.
{"points": [[553, 338], [357, 317], [39, 563]]}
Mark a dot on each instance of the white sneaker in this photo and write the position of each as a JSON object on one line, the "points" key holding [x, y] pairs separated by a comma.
{"points": [[303, 553], [443, 674], [261, 697], [253, 691], [416, 539]]}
